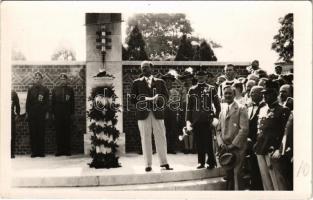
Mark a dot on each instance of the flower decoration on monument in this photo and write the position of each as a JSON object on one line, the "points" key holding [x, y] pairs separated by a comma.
{"points": [[103, 119]]}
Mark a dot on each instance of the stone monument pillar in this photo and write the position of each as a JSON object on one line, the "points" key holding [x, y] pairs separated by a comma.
{"points": [[112, 64]]}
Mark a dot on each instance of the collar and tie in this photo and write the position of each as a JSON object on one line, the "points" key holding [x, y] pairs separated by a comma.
{"points": [[149, 80]]}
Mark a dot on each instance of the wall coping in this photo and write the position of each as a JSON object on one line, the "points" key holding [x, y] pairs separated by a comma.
{"points": [[192, 63], [22, 62]]}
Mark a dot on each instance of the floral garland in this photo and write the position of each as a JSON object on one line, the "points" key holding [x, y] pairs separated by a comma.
{"points": [[104, 135]]}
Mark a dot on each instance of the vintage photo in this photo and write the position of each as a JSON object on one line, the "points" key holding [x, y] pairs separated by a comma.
{"points": [[120, 99]]}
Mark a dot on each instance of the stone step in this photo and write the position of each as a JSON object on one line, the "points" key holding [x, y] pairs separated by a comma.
{"points": [[192, 185], [196, 185], [118, 180]]}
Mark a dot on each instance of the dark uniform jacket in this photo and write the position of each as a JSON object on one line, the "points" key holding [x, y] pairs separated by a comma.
{"points": [[37, 101], [253, 113], [271, 126], [15, 105], [140, 90], [199, 103], [63, 100]]}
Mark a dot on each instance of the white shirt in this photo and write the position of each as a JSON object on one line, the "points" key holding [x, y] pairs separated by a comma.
{"points": [[148, 79]]}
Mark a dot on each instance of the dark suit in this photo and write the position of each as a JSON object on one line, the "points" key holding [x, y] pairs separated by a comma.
{"points": [[200, 113], [253, 112], [140, 90], [63, 108], [37, 104], [286, 150], [271, 126], [15, 111], [150, 116]]}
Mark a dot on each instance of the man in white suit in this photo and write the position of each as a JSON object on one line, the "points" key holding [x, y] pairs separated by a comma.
{"points": [[232, 132]]}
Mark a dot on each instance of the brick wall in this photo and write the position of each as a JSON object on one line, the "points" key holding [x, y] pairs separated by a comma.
{"points": [[22, 78], [131, 71]]}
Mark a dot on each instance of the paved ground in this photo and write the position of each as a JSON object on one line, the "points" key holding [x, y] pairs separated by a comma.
{"points": [[77, 165]]}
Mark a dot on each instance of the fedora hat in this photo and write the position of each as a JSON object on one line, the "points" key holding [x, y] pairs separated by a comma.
{"points": [[227, 160]]}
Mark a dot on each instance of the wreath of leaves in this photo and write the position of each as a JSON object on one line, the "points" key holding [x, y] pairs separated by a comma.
{"points": [[104, 160]]}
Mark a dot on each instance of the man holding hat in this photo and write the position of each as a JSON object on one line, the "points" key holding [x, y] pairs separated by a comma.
{"points": [[37, 105], [149, 94], [271, 124], [232, 132], [63, 112], [199, 117]]}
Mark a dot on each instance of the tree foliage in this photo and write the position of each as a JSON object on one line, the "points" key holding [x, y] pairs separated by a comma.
{"points": [[185, 51], [161, 32], [136, 46], [206, 53], [283, 40], [63, 53]]}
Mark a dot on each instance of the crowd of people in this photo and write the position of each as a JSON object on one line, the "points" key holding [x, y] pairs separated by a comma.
{"points": [[244, 124], [38, 107]]}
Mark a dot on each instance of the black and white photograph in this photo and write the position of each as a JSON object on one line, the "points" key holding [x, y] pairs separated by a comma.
{"points": [[135, 97]]}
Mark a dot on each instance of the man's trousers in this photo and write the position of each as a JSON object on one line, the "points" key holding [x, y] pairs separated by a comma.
{"points": [[147, 127], [37, 134], [204, 142], [63, 134], [271, 173]]}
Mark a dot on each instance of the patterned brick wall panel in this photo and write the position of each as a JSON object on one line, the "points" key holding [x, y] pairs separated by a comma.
{"points": [[22, 79]]}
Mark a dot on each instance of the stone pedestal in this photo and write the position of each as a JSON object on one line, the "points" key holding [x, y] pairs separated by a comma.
{"points": [[112, 64]]}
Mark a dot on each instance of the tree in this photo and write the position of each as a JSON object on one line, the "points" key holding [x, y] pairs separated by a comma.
{"points": [[125, 55], [17, 55], [206, 53], [136, 46], [283, 41], [63, 53], [185, 50], [161, 32]]}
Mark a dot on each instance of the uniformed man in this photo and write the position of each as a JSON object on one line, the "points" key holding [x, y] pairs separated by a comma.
{"points": [[199, 117], [37, 104], [271, 125], [63, 112], [15, 112]]}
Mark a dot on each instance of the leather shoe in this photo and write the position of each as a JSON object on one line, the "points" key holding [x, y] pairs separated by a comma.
{"points": [[200, 166], [148, 169], [167, 167]]}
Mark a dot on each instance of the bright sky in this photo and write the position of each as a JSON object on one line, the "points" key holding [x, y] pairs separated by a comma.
{"points": [[245, 29]]}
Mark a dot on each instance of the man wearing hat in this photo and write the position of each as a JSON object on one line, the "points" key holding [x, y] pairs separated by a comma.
{"points": [[186, 78], [149, 94], [63, 112], [37, 105], [232, 132], [170, 113], [199, 117], [271, 124]]}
